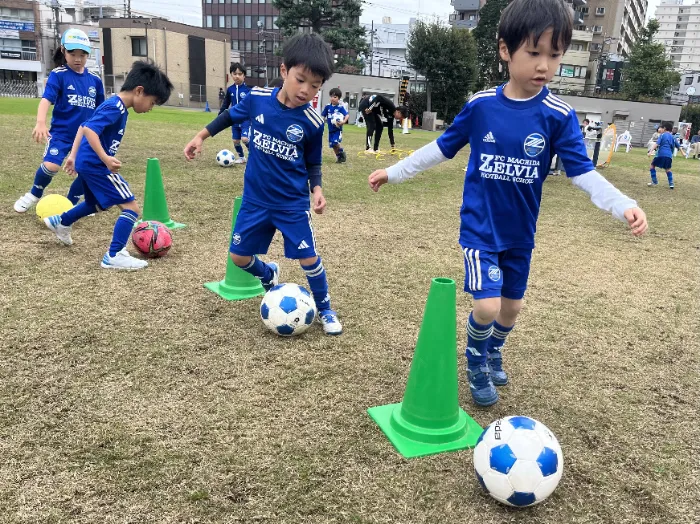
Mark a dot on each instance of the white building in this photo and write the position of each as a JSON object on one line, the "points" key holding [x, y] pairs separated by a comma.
{"points": [[679, 31], [388, 49]]}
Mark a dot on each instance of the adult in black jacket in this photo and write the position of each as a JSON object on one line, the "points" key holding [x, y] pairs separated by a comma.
{"points": [[372, 107]]}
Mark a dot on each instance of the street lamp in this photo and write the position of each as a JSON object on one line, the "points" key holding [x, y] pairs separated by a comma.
{"points": [[263, 33]]}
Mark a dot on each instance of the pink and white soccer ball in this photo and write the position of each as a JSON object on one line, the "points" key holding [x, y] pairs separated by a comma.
{"points": [[518, 461]]}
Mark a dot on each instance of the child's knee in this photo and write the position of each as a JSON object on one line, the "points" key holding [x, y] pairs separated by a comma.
{"points": [[244, 140], [132, 206], [308, 261], [239, 260], [486, 309]]}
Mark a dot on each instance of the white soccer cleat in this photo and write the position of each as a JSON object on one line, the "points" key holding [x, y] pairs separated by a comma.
{"points": [[331, 324], [62, 232], [122, 260], [240, 160], [25, 202]]}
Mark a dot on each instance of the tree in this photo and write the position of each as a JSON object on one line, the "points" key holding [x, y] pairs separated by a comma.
{"points": [[446, 56], [691, 113], [649, 73], [491, 70], [337, 21]]}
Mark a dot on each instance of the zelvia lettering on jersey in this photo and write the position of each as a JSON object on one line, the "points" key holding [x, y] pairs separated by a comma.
{"points": [[274, 146], [520, 170], [114, 147], [81, 101]]}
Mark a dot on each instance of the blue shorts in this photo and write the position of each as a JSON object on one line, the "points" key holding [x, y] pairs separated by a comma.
{"points": [[105, 191], [335, 138], [240, 131], [496, 274], [662, 162], [57, 149], [256, 225]]}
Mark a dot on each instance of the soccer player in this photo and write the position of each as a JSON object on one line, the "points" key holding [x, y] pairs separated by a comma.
{"points": [[337, 116], [372, 107], [93, 158], [74, 92], [284, 167], [503, 182], [235, 94], [664, 156]]}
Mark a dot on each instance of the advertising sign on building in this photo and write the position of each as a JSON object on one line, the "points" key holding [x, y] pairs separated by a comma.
{"points": [[17, 26], [14, 55]]}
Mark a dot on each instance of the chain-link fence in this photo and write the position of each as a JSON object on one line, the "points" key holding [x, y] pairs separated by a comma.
{"points": [[183, 95], [18, 88]]}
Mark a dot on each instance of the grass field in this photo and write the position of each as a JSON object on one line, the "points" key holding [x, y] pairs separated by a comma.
{"points": [[143, 398]]}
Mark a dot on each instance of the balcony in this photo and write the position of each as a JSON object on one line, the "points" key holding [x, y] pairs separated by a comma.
{"points": [[17, 54]]}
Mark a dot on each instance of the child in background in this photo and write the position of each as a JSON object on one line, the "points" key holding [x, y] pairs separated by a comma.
{"points": [[664, 156], [74, 92], [235, 94], [93, 159], [337, 116]]}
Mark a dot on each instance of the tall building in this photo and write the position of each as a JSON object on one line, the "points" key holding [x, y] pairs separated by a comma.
{"points": [[466, 14], [254, 37], [615, 24], [573, 71], [387, 43], [679, 31], [20, 60]]}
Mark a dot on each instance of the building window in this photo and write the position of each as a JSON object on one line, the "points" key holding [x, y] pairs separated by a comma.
{"points": [[688, 80], [274, 20], [234, 21], [138, 46], [248, 45], [261, 1], [248, 1], [222, 21], [584, 11], [599, 11], [209, 21], [234, 45], [248, 21], [208, 1], [597, 28], [268, 22], [222, 1]]}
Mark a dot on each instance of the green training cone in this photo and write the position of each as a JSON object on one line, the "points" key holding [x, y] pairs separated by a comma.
{"points": [[155, 206], [237, 284], [429, 420]]}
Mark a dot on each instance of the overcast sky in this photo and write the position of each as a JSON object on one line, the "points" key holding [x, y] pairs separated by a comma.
{"points": [[400, 11]]}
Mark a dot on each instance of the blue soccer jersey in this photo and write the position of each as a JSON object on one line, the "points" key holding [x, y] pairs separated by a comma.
{"points": [[283, 142], [331, 112], [234, 95], [667, 143], [109, 122], [74, 97], [512, 143]]}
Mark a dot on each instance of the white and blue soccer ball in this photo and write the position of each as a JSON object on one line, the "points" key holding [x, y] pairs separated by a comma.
{"points": [[337, 118], [288, 309], [225, 158], [518, 461]]}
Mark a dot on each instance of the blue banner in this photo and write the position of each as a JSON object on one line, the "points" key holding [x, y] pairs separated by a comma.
{"points": [[17, 26]]}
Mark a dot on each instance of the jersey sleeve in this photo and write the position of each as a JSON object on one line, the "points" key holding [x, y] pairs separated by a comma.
{"points": [[457, 135], [343, 111], [100, 93], [53, 88], [313, 151], [569, 146], [241, 111], [324, 113], [105, 116]]}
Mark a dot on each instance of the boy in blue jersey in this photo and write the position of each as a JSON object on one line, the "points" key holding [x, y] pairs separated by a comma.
{"points": [[93, 159], [237, 92], [504, 178], [74, 92], [337, 116], [664, 154], [284, 166]]}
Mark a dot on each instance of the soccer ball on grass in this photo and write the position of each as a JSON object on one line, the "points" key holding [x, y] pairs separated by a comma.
{"points": [[225, 158], [288, 309]]}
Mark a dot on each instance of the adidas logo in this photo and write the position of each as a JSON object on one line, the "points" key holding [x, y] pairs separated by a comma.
{"points": [[303, 244], [121, 132], [489, 138], [70, 88], [261, 119]]}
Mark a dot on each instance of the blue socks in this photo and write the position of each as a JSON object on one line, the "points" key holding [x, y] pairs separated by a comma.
{"points": [[653, 176], [670, 178], [316, 275], [498, 337], [122, 230], [76, 190], [259, 269], [478, 336], [42, 178], [76, 213], [239, 150]]}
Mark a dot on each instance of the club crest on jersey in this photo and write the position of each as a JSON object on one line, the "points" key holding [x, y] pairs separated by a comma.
{"points": [[534, 144], [53, 151], [92, 91], [494, 273], [295, 133]]}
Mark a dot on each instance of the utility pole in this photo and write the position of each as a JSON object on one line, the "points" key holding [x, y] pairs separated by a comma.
{"points": [[371, 48], [55, 7]]}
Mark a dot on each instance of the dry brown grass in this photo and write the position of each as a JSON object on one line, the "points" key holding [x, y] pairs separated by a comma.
{"points": [[144, 398]]}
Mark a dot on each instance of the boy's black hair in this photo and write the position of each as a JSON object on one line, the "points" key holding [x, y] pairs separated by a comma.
{"points": [[59, 59], [236, 65], [667, 125], [525, 20], [309, 51], [336, 92], [586, 121], [277, 82], [149, 76], [403, 110]]}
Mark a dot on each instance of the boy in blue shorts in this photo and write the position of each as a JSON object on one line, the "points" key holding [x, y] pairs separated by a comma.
{"points": [[75, 92], [283, 168], [93, 159], [664, 154], [235, 94], [504, 178], [337, 116]]}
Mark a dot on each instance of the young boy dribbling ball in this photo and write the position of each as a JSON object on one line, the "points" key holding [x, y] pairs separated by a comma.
{"points": [[235, 94], [284, 167], [504, 177], [337, 117]]}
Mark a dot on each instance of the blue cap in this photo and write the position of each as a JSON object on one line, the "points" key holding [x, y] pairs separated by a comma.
{"points": [[73, 39]]}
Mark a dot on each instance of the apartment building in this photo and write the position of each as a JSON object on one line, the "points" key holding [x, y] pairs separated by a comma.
{"points": [[679, 31], [615, 25]]}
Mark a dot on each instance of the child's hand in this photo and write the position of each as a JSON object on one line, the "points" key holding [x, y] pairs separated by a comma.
{"points": [[319, 201], [378, 179], [194, 148], [40, 133], [637, 220], [69, 166], [113, 164]]}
